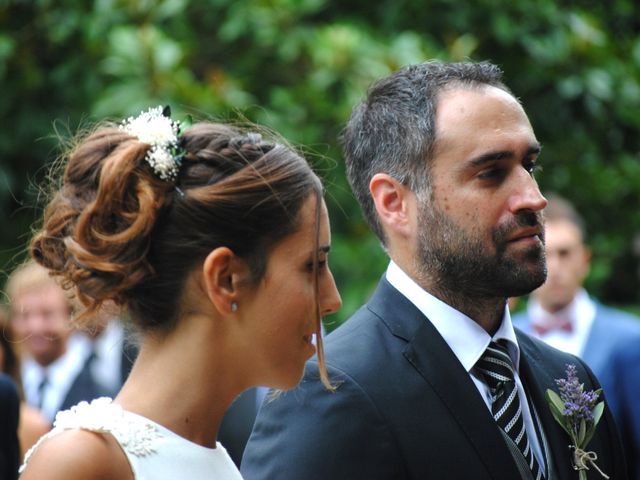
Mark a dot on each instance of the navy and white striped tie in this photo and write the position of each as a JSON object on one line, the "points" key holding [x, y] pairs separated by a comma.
{"points": [[497, 369]]}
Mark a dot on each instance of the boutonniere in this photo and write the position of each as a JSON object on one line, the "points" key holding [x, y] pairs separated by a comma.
{"points": [[578, 414]]}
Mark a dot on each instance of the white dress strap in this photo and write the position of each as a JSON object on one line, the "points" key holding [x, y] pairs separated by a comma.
{"points": [[136, 436], [154, 452]]}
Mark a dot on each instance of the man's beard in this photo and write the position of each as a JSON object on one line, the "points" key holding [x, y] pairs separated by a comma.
{"points": [[457, 264]]}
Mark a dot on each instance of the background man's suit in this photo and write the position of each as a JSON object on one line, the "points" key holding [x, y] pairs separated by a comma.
{"points": [[237, 424], [405, 408], [83, 388], [9, 414], [612, 351]]}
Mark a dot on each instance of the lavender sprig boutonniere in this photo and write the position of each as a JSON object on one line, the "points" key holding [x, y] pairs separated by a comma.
{"points": [[578, 414]]}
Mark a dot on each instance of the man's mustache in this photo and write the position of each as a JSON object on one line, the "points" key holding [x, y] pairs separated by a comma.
{"points": [[523, 219]]}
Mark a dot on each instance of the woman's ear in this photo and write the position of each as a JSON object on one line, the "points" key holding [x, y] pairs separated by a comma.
{"points": [[222, 273]]}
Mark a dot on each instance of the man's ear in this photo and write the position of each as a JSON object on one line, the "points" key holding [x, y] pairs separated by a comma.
{"points": [[586, 262], [394, 203], [223, 273]]}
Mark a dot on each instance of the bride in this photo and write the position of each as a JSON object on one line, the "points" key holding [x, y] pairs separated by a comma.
{"points": [[215, 242]]}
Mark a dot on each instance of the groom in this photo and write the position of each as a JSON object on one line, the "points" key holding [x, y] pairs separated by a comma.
{"points": [[432, 381]]}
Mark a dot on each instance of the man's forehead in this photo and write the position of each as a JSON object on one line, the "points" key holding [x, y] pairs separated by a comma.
{"points": [[458, 96], [477, 117], [562, 232]]}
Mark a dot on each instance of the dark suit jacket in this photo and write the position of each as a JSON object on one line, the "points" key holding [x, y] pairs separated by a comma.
{"points": [[237, 424], [127, 359], [405, 408], [84, 388], [9, 414], [612, 351]]}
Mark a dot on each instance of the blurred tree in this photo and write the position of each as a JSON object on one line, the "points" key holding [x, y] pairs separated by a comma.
{"points": [[299, 66]]}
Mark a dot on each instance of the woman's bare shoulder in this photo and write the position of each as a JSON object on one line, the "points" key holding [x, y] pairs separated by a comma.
{"points": [[78, 454]]}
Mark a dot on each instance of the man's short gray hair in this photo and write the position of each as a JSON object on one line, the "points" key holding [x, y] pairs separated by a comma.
{"points": [[393, 129]]}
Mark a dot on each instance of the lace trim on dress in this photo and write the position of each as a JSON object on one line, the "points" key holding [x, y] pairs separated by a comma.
{"points": [[136, 435]]}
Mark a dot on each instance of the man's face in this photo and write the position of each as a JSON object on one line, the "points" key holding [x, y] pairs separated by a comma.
{"points": [[568, 261], [480, 231], [41, 320]]}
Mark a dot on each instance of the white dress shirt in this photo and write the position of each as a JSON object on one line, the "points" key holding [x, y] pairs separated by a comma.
{"points": [[60, 376], [581, 312], [467, 340], [106, 368]]}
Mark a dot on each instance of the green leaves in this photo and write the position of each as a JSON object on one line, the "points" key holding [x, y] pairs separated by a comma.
{"points": [[597, 415], [299, 66], [557, 408]]}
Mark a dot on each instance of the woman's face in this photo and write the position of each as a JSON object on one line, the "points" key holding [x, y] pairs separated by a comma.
{"points": [[280, 310]]}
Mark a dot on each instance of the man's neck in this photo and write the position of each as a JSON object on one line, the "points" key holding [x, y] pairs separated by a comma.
{"points": [[554, 308], [485, 311], [48, 360]]}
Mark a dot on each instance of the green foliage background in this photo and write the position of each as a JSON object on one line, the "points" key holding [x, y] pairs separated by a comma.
{"points": [[298, 66]]}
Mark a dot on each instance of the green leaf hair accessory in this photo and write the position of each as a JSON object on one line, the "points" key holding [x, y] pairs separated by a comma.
{"points": [[156, 128], [578, 414]]}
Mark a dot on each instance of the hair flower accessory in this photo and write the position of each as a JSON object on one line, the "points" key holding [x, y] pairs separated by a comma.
{"points": [[156, 128], [578, 414]]}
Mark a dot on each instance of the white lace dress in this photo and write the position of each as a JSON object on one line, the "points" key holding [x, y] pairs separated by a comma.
{"points": [[154, 452]]}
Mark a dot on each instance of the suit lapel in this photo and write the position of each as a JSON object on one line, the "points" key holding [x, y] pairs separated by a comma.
{"points": [[431, 356], [537, 380], [428, 353]]}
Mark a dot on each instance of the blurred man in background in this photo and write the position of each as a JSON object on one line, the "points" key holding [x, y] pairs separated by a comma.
{"points": [[562, 314], [32, 424], [111, 352], [54, 370]]}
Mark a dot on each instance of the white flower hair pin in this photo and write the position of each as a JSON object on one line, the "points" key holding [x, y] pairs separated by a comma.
{"points": [[156, 128]]}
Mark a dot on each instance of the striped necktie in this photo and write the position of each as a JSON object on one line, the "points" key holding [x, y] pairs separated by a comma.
{"points": [[497, 369]]}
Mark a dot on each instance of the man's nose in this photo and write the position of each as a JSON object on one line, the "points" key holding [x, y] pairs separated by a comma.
{"points": [[526, 195]]}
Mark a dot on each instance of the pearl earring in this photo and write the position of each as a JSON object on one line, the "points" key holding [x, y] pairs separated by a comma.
{"points": [[234, 307]]}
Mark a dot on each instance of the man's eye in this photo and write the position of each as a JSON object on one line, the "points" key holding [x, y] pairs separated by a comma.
{"points": [[532, 168], [491, 174]]}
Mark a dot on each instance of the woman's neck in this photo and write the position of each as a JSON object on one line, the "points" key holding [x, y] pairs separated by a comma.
{"points": [[184, 381]]}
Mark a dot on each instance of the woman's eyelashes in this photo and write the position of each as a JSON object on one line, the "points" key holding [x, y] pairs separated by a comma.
{"points": [[321, 264]]}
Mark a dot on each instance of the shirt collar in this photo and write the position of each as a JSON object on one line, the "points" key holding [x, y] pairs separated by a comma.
{"points": [[580, 307], [57, 372], [465, 337], [581, 312]]}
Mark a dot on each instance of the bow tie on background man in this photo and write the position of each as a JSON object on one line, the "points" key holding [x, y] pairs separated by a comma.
{"points": [[561, 324]]}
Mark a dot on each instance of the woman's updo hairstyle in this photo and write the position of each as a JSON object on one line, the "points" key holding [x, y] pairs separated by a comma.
{"points": [[115, 230]]}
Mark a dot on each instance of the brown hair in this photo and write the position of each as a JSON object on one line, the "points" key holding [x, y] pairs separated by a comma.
{"points": [[560, 209], [28, 277], [116, 231]]}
